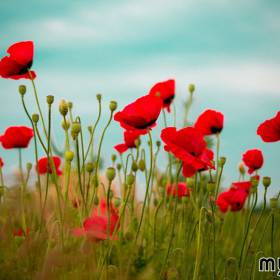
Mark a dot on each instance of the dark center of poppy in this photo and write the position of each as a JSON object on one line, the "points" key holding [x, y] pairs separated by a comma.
{"points": [[215, 129], [144, 125], [25, 68], [168, 100]]}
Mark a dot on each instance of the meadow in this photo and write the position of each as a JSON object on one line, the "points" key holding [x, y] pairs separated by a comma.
{"points": [[83, 220]]}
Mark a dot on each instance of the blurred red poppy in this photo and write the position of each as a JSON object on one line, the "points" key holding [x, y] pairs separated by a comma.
{"points": [[269, 130], [183, 190], [16, 137], [1, 163], [44, 166], [140, 115], [20, 232], [96, 226], [166, 91], [235, 197], [210, 122], [253, 159], [130, 136], [18, 63]]}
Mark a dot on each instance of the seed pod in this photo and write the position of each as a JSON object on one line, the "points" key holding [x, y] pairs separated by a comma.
{"points": [[22, 89], [35, 118], [266, 181], [191, 88], [110, 173], [50, 99], [113, 106]]}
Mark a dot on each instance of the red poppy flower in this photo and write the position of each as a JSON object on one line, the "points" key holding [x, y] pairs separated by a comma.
{"points": [[44, 166], [269, 130], [234, 198], [186, 144], [20, 232], [166, 91], [253, 159], [190, 168], [16, 137], [19, 62], [96, 226], [141, 115], [1, 163], [130, 136], [210, 122], [183, 190]]}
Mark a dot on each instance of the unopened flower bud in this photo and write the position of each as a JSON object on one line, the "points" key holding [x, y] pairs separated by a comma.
{"points": [[28, 166], [89, 167], [63, 108], [266, 181], [90, 129], [134, 166], [130, 179], [65, 125], [137, 142], [113, 158], [117, 202], [76, 129], [211, 187], [110, 173], [69, 155], [273, 203], [22, 89], [113, 106], [191, 88], [50, 99], [98, 97], [222, 161], [142, 165], [70, 105], [119, 166], [35, 118], [241, 168], [158, 143]]}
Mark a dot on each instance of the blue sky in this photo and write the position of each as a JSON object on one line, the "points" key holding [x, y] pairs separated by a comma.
{"points": [[230, 50]]}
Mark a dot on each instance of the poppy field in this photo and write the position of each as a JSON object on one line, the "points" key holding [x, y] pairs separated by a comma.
{"points": [[70, 217]]}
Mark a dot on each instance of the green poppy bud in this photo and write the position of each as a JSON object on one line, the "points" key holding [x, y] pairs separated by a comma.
{"points": [[113, 106], [50, 99], [113, 157], [119, 166], [75, 130], [110, 173], [222, 161], [22, 89], [89, 167], [137, 142], [158, 143], [242, 169], [28, 166], [69, 155], [191, 88], [266, 181], [35, 118], [98, 97], [117, 202], [70, 105], [134, 166], [130, 179], [65, 125], [142, 165], [63, 108]]}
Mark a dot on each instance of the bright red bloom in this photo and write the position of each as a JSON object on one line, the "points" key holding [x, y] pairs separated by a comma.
{"points": [[269, 130], [141, 115], [96, 226], [166, 90], [190, 168], [186, 144], [44, 166], [210, 122], [16, 137], [183, 190], [20, 232], [253, 159], [130, 136], [19, 62], [235, 197], [1, 163]]}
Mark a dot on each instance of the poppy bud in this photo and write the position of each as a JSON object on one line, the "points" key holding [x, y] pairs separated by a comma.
{"points": [[191, 88], [142, 165], [65, 125], [90, 129], [113, 157], [22, 89], [50, 99], [117, 202], [63, 108], [98, 97], [266, 181], [211, 187], [35, 118], [273, 203], [110, 173], [137, 142], [69, 155], [222, 161], [76, 129], [113, 106], [134, 166], [158, 143], [96, 200], [89, 167], [130, 179], [119, 166], [28, 166], [70, 105], [241, 168]]}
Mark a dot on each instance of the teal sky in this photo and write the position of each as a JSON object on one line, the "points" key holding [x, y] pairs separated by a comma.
{"points": [[229, 49]]}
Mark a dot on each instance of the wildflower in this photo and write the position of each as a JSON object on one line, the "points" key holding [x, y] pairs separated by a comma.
{"points": [[18, 63], [166, 91], [210, 122], [140, 115], [44, 166], [130, 136], [269, 130], [253, 159], [183, 190], [16, 137]]}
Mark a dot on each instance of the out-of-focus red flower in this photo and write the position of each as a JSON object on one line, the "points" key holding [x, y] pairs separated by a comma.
{"points": [[269, 130], [130, 136], [166, 90], [44, 166], [20, 232], [210, 122], [140, 115], [19, 62], [16, 137], [96, 227], [190, 168], [186, 144], [235, 197], [253, 159], [1, 163], [183, 190]]}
